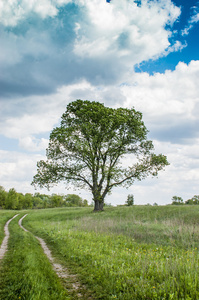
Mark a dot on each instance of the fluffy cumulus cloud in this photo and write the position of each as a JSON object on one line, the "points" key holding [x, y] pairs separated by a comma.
{"points": [[124, 29], [98, 41], [169, 101], [13, 11]]}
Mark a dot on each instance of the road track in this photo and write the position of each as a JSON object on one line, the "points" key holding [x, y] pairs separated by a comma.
{"points": [[4, 244]]}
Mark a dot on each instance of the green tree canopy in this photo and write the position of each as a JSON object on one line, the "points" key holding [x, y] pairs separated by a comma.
{"points": [[130, 200], [3, 196], [193, 201], [56, 200], [74, 200], [89, 147], [177, 200], [12, 199]]}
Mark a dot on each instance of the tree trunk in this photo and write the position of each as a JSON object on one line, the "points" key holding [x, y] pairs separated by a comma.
{"points": [[98, 205]]}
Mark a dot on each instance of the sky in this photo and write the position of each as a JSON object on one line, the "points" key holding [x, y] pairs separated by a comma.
{"points": [[123, 53]]}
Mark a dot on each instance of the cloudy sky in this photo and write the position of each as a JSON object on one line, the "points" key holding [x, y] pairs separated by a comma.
{"points": [[141, 54]]}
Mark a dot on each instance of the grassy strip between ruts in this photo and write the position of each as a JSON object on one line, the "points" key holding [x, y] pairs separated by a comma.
{"points": [[5, 215], [25, 272], [115, 266]]}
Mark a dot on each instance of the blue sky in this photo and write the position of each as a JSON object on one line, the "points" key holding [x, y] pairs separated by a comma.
{"points": [[141, 54]]}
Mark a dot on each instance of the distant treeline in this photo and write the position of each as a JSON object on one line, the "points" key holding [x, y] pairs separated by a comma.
{"points": [[179, 201], [14, 200]]}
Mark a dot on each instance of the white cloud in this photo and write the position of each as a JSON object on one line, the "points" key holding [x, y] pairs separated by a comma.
{"points": [[27, 124], [172, 96], [125, 30], [193, 20], [25, 117], [15, 166], [177, 46], [32, 144], [17, 170], [33, 44], [12, 12]]}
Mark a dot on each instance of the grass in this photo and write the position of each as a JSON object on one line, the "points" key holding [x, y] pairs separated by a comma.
{"points": [[138, 252], [26, 273]]}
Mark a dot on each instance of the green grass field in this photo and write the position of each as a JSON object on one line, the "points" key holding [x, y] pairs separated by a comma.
{"points": [[138, 252]]}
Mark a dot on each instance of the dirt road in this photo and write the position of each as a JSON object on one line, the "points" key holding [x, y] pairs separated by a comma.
{"points": [[4, 244]]}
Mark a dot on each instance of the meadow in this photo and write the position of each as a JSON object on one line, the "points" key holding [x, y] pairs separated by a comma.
{"points": [[138, 252]]}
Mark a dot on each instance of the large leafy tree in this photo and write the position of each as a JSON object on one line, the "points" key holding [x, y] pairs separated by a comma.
{"points": [[90, 148]]}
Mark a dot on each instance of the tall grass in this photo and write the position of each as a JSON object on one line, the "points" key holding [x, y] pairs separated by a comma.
{"points": [[140, 252], [158, 225]]}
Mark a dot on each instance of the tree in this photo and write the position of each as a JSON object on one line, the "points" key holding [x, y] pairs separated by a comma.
{"points": [[89, 147], [177, 200], [21, 201], [73, 200], [41, 200], [130, 200], [85, 202], [3, 196], [193, 201], [38, 203], [28, 201], [12, 199], [56, 200]]}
